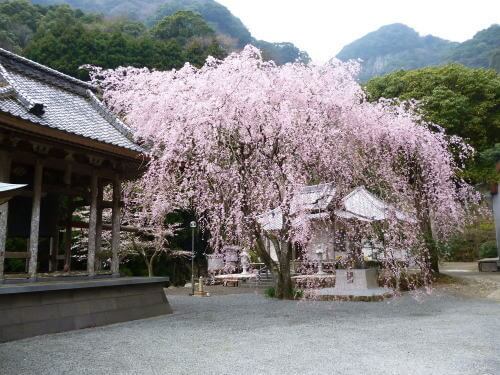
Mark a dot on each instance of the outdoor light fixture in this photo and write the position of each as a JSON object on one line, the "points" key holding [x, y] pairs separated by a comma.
{"points": [[193, 227]]}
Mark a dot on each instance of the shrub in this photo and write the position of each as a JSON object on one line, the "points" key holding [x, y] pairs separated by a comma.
{"points": [[465, 247], [488, 250], [270, 292]]}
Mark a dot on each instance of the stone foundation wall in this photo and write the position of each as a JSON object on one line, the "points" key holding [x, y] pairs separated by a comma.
{"points": [[27, 314]]}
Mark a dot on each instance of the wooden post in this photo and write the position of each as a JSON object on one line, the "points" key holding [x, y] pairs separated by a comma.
{"points": [[54, 250], [35, 219], [5, 163], [69, 214], [68, 235], [92, 225], [98, 226], [115, 234]]}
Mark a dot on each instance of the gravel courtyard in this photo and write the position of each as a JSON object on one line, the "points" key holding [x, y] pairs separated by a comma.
{"points": [[251, 334]]}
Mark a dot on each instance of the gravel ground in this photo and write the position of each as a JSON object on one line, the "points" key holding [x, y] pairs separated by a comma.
{"points": [[251, 334]]}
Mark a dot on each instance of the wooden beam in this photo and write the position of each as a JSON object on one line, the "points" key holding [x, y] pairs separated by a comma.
{"points": [[24, 157], [17, 255], [35, 219], [62, 137], [5, 163]]}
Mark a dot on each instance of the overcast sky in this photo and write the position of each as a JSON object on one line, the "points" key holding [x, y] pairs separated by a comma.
{"points": [[323, 27]]}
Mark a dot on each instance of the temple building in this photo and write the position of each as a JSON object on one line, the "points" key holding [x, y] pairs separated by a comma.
{"points": [[317, 205], [58, 139]]}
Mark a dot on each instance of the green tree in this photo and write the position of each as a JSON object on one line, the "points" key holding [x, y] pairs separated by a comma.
{"points": [[67, 39], [182, 26], [189, 29], [18, 22]]}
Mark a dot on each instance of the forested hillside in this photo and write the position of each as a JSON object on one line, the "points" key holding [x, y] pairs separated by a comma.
{"points": [[65, 39], [232, 33], [397, 46]]}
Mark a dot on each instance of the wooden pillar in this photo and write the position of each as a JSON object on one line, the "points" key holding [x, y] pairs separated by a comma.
{"points": [[69, 214], [54, 250], [115, 234], [92, 225], [5, 163], [35, 219], [98, 231], [68, 235]]}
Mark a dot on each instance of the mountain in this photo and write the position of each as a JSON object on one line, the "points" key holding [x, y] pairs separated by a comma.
{"points": [[231, 31], [480, 51], [397, 46]]}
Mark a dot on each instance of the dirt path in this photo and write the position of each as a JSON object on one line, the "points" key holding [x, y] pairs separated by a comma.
{"points": [[467, 280]]}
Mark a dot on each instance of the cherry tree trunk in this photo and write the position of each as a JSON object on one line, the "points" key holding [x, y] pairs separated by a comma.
{"points": [[284, 287], [280, 269], [150, 269]]}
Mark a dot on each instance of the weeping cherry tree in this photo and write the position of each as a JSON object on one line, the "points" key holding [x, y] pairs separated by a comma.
{"points": [[241, 136]]}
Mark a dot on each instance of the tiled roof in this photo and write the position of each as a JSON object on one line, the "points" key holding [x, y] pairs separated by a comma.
{"points": [[312, 199], [46, 97]]}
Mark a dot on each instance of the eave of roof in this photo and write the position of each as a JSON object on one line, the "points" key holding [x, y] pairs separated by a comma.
{"points": [[60, 136], [24, 78]]}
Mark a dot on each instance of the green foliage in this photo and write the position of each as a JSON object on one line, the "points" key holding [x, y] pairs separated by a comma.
{"points": [[270, 292], [15, 265], [484, 168], [466, 246], [217, 16], [190, 30], [231, 33], [65, 39], [281, 53], [465, 101], [488, 250], [182, 26], [134, 9], [18, 22]]}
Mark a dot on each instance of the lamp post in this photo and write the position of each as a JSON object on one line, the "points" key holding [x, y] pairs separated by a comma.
{"points": [[193, 227]]}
